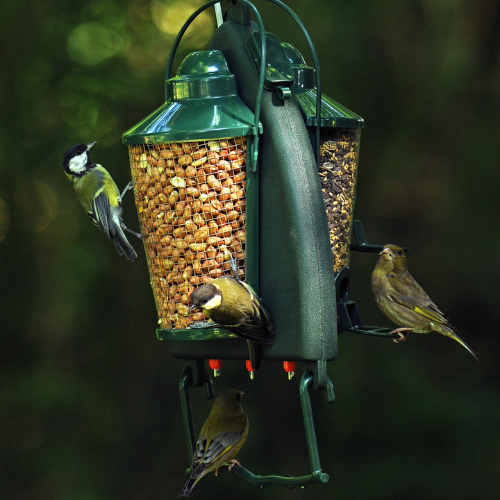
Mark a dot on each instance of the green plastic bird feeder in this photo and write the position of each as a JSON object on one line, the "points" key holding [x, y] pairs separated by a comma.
{"points": [[337, 153], [208, 187], [203, 196]]}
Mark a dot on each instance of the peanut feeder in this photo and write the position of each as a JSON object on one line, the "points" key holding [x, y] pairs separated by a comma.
{"points": [[189, 163]]}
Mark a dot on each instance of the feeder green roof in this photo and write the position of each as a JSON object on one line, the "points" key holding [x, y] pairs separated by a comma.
{"points": [[201, 103], [333, 114]]}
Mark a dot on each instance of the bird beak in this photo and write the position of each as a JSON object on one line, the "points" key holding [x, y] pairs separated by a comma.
{"points": [[386, 254], [91, 145], [191, 307]]}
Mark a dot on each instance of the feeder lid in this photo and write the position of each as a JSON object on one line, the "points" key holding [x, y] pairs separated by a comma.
{"points": [[201, 103], [333, 114]]}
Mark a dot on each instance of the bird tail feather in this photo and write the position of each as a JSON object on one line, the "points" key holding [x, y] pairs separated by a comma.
{"points": [[187, 489], [254, 354], [448, 332], [122, 245]]}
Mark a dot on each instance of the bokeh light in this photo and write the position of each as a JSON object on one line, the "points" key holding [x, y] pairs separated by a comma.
{"points": [[92, 43]]}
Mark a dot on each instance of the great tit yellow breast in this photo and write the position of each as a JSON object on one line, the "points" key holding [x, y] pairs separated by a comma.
{"points": [[92, 184]]}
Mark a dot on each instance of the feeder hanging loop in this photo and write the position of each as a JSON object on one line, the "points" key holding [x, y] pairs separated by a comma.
{"points": [[253, 134], [317, 69]]}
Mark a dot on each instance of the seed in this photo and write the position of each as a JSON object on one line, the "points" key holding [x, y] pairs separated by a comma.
{"points": [[338, 166]]}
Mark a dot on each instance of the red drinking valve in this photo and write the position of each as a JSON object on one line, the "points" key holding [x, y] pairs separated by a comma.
{"points": [[290, 367], [216, 365], [248, 364]]}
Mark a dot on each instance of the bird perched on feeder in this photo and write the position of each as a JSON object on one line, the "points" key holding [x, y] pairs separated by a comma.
{"points": [[221, 437], [404, 302], [234, 305], [99, 196]]}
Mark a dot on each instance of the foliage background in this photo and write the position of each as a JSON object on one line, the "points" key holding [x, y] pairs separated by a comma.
{"points": [[89, 408]]}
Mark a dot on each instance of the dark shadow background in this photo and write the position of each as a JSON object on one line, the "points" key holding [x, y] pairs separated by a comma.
{"points": [[89, 408]]}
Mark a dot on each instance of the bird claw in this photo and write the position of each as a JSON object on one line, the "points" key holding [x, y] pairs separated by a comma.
{"points": [[128, 187], [402, 336], [125, 228], [234, 266], [233, 463]]}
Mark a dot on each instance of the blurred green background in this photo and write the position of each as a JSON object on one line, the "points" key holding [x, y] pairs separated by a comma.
{"points": [[89, 406]]}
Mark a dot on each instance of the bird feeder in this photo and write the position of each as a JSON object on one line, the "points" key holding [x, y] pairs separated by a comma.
{"points": [[337, 153], [247, 159], [203, 196]]}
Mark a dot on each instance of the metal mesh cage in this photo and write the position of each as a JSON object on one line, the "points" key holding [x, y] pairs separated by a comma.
{"points": [[190, 198], [339, 151]]}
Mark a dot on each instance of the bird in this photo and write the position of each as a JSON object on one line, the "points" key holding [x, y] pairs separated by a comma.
{"points": [[404, 301], [221, 437], [99, 196], [233, 304]]}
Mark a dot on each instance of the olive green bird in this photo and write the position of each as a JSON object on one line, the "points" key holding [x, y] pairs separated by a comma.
{"points": [[221, 437], [403, 300], [99, 196], [234, 305]]}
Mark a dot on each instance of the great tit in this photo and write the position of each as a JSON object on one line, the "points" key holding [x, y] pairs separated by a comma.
{"points": [[404, 301], [234, 305], [221, 437], [99, 196]]}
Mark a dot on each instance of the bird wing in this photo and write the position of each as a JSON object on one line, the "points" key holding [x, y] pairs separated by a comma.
{"points": [[256, 324], [404, 290], [100, 213], [208, 451]]}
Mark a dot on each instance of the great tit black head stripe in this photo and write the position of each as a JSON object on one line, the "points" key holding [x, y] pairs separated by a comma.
{"points": [[76, 159]]}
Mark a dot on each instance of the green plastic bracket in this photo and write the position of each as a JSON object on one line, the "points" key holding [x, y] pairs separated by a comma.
{"points": [[361, 241], [278, 72], [194, 375], [284, 93]]}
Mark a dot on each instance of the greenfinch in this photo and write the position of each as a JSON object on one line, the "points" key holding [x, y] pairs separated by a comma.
{"points": [[221, 437], [404, 302]]}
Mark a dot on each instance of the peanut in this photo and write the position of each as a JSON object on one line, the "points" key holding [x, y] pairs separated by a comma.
{"points": [[190, 198]]}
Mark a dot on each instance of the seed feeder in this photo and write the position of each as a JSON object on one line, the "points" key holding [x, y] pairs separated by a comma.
{"points": [[226, 181], [337, 152]]}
